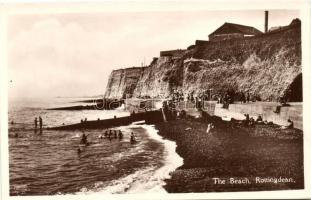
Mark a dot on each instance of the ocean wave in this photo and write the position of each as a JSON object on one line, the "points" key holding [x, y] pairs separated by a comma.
{"points": [[77, 135], [149, 179], [121, 185], [20, 188], [119, 155], [171, 163]]}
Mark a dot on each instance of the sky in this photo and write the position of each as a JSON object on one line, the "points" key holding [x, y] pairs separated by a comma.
{"points": [[73, 54]]}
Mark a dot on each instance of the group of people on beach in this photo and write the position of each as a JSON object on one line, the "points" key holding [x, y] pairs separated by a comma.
{"points": [[250, 121], [228, 96], [85, 120], [112, 134], [36, 121], [225, 98], [108, 134]]}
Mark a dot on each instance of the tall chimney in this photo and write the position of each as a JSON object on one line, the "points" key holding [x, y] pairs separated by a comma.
{"points": [[266, 20]]}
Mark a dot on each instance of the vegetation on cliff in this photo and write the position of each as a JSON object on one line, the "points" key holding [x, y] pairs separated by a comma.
{"points": [[264, 66]]}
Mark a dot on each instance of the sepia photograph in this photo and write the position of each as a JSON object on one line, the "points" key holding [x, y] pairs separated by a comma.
{"points": [[154, 101]]}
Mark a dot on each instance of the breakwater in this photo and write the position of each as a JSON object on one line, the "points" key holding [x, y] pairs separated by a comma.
{"points": [[149, 117], [97, 104]]}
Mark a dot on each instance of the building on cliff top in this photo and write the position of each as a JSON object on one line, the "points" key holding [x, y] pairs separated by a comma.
{"points": [[294, 22], [230, 30], [172, 53]]}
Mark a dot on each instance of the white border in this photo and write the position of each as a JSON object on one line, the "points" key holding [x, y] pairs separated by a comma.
{"points": [[58, 6]]}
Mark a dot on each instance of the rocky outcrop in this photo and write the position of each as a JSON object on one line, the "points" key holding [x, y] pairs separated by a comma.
{"points": [[266, 66]]}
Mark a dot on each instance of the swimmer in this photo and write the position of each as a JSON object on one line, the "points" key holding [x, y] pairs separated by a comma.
{"points": [[83, 139], [120, 134], [133, 140], [36, 123], [40, 123]]}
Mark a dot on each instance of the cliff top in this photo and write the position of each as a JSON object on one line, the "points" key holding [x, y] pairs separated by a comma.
{"points": [[128, 68]]}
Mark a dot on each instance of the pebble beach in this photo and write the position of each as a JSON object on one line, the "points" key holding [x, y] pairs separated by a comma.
{"points": [[234, 157]]}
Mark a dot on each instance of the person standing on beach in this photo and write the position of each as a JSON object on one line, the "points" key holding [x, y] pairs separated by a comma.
{"points": [[248, 98], [210, 126], [40, 123], [36, 123]]}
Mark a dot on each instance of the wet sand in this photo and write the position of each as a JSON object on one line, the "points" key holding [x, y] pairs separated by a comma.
{"points": [[243, 158]]}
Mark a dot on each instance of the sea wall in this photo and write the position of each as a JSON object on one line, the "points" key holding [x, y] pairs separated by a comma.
{"points": [[141, 105], [237, 111]]}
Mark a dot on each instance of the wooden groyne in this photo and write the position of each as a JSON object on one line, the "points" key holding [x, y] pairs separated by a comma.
{"points": [[149, 117]]}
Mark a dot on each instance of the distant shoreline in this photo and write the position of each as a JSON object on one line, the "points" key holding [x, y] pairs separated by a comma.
{"points": [[98, 104]]}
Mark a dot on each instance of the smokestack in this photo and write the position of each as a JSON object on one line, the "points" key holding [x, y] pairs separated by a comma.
{"points": [[266, 20]]}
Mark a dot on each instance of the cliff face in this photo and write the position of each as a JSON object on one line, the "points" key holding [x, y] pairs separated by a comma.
{"points": [[160, 78], [122, 82], [264, 66]]}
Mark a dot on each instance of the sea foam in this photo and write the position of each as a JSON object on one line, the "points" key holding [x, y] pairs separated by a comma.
{"points": [[149, 179]]}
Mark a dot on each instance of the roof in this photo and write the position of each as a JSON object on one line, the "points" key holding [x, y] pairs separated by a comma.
{"points": [[236, 28], [295, 21]]}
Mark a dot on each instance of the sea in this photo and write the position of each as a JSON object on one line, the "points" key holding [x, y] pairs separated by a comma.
{"points": [[48, 163]]}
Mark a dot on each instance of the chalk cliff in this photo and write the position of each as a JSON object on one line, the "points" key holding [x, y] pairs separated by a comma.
{"points": [[122, 82], [267, 66]]}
